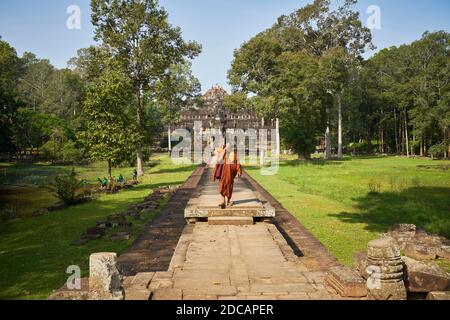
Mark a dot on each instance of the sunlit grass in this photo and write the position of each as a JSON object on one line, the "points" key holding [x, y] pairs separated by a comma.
{"points": [[35, 252], [335, 200]]}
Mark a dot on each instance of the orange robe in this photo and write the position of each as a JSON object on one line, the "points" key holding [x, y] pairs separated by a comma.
{"points": [[229, 173]]}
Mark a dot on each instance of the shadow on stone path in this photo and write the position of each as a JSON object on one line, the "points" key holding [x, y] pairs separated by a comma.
{"points": [[172, 260]]}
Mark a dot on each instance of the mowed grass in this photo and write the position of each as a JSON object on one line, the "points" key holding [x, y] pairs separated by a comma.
{"points": [[347, 203], [35, 252]]}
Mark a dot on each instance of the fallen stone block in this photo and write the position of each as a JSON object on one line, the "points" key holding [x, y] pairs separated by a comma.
{"points": [[95, 231], [430, 239], [444, 252], [439, 295], [420, 251], [346, 282], [402, 234], [119, 236], [422, 277]]}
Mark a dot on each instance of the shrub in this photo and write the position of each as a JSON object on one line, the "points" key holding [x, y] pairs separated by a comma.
{"points": [[66, 186], [50, 151], [70, 153], [438, 150]]}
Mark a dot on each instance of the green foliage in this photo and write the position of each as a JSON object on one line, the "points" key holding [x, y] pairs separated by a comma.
{"points": [[439, 150], [110, 133], [66, 186], [293, 68], [57, 151], [363, 147], [146, 45], [9, 73]]}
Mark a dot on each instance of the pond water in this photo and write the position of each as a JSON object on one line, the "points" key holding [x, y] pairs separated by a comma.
{"points": [[21, 201]]}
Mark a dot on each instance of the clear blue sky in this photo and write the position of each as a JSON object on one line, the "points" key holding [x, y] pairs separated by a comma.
{"points": [[220, 26]]}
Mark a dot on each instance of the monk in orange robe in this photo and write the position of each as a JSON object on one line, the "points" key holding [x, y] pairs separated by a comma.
{"points": [[226, 171]]}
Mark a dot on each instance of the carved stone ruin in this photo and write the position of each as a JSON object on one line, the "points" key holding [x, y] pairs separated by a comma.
{"points": [[105, 281], [384, 264], [346, 282]]}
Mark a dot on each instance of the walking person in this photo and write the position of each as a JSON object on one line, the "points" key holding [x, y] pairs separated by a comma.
{"points": [[226, 170]]}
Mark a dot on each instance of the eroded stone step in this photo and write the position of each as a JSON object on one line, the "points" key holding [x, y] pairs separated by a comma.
{"points": [[230, 221]]}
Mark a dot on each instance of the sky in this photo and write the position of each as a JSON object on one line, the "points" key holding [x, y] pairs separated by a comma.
{"points": [[219, 26]]}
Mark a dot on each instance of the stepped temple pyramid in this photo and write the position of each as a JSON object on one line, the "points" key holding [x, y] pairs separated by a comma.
{"points": [[212, 113], [209, 116]]}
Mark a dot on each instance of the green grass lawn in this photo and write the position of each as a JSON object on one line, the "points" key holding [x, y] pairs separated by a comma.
{"points": [[347, 203], [35, 252]]}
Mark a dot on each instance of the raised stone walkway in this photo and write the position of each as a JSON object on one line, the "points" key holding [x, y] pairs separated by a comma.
{"points": [[259, 261]]}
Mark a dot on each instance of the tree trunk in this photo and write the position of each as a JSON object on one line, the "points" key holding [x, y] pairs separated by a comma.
{"points": [[396, 132], [406, 135], [139, 157], [339, 99], [328, 143], [109, 169], [169, 134]]}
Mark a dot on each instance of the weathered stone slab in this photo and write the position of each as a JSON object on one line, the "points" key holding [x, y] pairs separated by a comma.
{"points": [[230, 221], [438, 295], [444, 252], [133, 294], [167, 294], [104, 278], [420, 251], [142, 279], [422, 277], [346, 282]]}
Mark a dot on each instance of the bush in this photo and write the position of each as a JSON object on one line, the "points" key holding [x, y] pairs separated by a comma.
{"points": [[66, 187], [438, 150], [70, 153], [363, 147], [50, 151]]}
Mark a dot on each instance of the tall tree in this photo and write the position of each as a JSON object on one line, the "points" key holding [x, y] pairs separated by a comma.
{"points": [[110, 134], [332, 31], [319, 30], [10, 70], [139, 34]]}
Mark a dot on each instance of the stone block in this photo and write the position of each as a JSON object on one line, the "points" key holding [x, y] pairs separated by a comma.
{"points": [[167, 294], [346, 282], [105, 282], [420, 251], [230, 221], [444, 252], [134, 294], [422, 277], [439, 296]]}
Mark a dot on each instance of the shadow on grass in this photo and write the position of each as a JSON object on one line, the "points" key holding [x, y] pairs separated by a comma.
{"points": [[426, 207], [175, 170]]}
